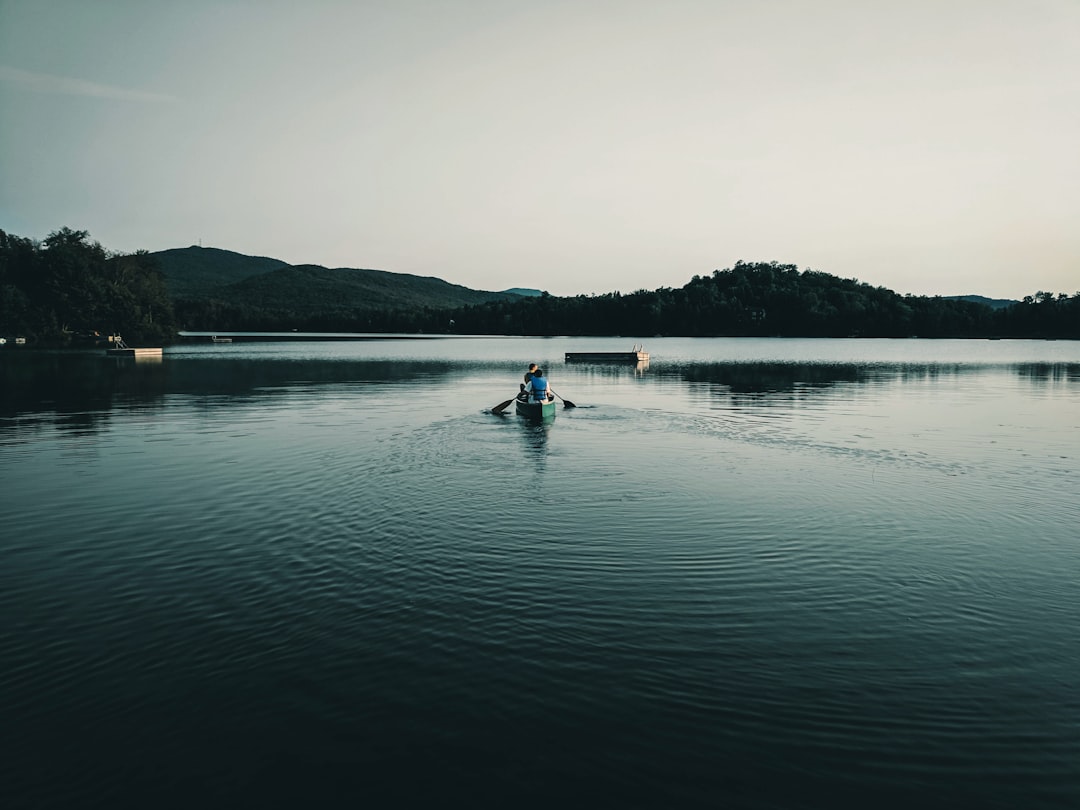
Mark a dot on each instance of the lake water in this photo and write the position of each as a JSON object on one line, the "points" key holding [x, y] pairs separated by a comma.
{"points": [[756, 573]]}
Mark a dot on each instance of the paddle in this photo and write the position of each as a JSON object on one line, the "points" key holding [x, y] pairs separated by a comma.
{"points": [[502, 406], [566, 403]]}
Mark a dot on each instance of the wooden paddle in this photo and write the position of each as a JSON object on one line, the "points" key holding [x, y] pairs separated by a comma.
{"points": [[566, 403], [502, 406]]}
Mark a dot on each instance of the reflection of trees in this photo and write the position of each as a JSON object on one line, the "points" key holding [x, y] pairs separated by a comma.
{"points": [[80, 388], [1049, 372], [609, 370], [753, 378], [784, 378], [84, 387], [251, 375], [914, 372]]}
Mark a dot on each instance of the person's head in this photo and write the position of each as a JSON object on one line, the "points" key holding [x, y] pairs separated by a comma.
{"points": [[532, 368], [538, 372]]}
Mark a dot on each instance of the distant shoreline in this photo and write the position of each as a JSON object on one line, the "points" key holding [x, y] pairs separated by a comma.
{"points": [[185, 335], [193, 336]]}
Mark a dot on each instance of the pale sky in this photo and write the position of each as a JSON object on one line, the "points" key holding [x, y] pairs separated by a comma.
{"points": [[927, 146]]}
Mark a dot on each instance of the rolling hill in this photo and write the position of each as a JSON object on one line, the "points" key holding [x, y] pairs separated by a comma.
{"points": [[203, 274], [195, 272], [303, 287], [993, 303]]}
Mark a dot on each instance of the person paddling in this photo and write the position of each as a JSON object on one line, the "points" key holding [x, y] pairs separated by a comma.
{"points": [[537, 387], [528, 375]]}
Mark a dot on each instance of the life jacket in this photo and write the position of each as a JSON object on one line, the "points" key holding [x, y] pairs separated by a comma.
{"points": [[540, 389]]}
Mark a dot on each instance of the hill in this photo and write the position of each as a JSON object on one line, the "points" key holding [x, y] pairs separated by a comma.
{"points": [[316, 288], [193, 272], [219, 289], [993, 303]]}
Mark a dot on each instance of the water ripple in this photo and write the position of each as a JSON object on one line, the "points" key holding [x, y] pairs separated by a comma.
{"points": [[762, 605]]}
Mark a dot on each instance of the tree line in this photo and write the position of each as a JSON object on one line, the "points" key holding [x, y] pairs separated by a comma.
{"points": [[771, 299], [747, 300], [65, 288], [68, 285]]}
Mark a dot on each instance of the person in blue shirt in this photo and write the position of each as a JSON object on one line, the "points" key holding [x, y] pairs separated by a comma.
{"points": [[537, 387], [528, 375]]}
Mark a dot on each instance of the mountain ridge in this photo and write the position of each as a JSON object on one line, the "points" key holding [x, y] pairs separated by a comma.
{"points": [[198, 274], [68, 287], [220, 289]]}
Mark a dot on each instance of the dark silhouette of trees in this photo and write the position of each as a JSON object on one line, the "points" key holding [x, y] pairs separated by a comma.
{"points": [[1043, 315], [750, 299], [67, 286]]}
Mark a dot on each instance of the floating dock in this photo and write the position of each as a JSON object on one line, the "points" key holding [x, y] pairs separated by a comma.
{"points": [[635, 355], [117, 348], [138, 354]]}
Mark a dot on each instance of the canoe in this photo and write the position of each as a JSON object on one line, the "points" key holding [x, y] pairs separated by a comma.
{"points": [[536, 410]]}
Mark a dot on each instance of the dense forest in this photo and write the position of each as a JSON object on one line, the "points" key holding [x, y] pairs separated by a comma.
{"points": [[65, 288], [68, 286], [770, 299]]}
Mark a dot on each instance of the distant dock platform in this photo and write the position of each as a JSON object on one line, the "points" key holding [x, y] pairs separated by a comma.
{"points": [[138, 354], [117, 348], [635, 355]]}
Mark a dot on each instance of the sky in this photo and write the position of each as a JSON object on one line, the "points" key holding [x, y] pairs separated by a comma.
{"points": [[928, 146]]}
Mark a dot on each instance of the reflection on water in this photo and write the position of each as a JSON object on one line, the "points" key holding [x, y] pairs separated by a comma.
{"points": [[89, 385], [534, 433], [772, 377], [1049, 372], [752, 575], [764, 378]]}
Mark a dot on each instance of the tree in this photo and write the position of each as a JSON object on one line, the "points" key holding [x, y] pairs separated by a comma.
{"points": [[69, 285]]}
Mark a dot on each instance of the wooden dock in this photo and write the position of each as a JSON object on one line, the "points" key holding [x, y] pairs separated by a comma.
{"points": [[117, 348], [138, 354]]}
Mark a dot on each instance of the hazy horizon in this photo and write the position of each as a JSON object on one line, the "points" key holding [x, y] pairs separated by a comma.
{"points": [[579, 148]]}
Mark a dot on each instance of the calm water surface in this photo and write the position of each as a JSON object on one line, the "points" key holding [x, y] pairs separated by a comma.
{"points": [[756, 573]]}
